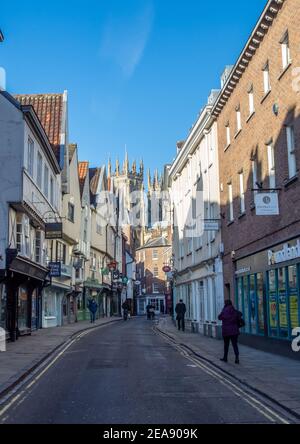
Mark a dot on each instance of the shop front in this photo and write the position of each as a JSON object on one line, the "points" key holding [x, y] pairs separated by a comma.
{"points": [[24, 281], [268, 291], [53, 298]]}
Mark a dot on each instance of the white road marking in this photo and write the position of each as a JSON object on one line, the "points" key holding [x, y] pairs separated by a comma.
{"points": [[25, 391], [255, 403]]}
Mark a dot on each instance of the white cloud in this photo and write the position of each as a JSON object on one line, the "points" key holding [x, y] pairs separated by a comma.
{"points": [[124, 39]]}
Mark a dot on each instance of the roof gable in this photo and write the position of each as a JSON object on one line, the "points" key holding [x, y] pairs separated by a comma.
{"points": [[50, 111]]}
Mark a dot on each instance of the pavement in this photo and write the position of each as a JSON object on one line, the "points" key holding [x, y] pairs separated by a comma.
{"points": [[129, 373], [23, 356], [274, 376]]}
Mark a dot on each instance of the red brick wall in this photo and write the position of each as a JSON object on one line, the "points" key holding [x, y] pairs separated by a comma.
{"points": [[251, 233]]}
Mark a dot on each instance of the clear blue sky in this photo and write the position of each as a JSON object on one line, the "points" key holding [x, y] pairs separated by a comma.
{"points": [[137, 71]]}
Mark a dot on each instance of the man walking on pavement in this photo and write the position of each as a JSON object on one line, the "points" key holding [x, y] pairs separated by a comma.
{"points": [[181, 311], [93, 307]]}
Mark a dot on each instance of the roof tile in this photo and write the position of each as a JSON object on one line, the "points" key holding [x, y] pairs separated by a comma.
{"points": [[49, 109]]}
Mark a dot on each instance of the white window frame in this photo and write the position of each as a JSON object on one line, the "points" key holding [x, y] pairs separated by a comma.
{"points": [[251, 101], [266, 78], [254, 176], [271, 166], [155, 288], [242, 194], [238, 120], [292, 161], [39, 173], [230, 200], [155, 255], [30, 154], [52, 191], [228, 135], [285, 50], [46, 181], [38, 246]]}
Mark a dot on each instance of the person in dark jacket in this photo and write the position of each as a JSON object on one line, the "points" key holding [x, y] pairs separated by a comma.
{"points": [[181, 311], [93, 307], [230, 330]]}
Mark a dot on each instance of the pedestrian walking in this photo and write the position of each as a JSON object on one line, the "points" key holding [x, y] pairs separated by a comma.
{"points": [[181, 312], [232, 321], [93, 308], [126, 310], [148, 308]]}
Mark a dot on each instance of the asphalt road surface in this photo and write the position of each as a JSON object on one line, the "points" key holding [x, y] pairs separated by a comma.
{"points": [[125, 373]]}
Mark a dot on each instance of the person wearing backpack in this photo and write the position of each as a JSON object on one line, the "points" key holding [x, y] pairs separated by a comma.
{"points": [[232, 322]]}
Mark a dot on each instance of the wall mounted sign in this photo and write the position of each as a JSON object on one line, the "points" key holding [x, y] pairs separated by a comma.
{"points": [[53, 231], [211, 225], [243, 271], [166, 269], [267, 204], [288, 253], [55, 269]]}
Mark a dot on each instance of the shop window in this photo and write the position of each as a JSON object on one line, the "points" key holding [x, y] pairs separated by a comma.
{"points": [[3, 306], [253, 305], [273, 303], [293, 296], [246, 304], [23, 309], [283, 306], [260, 303]]}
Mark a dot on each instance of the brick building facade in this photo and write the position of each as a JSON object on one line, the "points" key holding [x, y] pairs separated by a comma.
{"points": [[258, 115], [155, 287]]}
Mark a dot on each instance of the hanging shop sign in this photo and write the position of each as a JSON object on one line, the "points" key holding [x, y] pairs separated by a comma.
{"points": [[112, 266], [55, 269], [211, 225], [166, 269], [53, 231], [267, 204], [116, 275], [287, 253]]}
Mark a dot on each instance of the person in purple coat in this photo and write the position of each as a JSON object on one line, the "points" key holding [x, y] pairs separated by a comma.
{"points": [[232, 322]]}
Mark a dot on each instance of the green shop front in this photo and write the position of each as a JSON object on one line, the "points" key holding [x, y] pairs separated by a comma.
{"points": [[268, 291]]}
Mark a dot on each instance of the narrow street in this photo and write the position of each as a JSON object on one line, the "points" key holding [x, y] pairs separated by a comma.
{"points": [[127, 374]]}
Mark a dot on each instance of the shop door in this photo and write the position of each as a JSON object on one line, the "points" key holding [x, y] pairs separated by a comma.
{"points": [[34, 311], [23, 321]]}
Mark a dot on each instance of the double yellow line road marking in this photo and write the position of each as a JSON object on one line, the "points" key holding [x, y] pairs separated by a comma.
{"points": [[265, 410]]}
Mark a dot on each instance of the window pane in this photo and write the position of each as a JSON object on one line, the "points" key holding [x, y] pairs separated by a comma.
{"points": [[246, 304], [253, 319], [260, 302], [39, 170], [283, 316], [273, 306], [293, 297]]}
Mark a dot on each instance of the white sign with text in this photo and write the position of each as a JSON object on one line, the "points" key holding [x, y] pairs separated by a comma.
{"points": [[267, 204]]}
